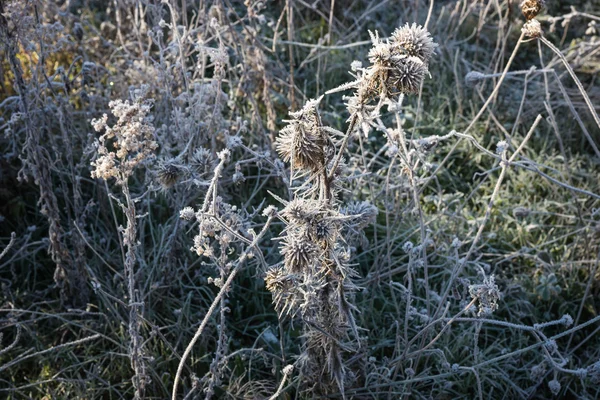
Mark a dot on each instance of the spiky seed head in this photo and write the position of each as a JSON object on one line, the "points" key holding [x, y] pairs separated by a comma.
{"points": [[168, 175], [202, 161], [298, 253], [407, 75], [301, 211], [414, 41], [325, 231], [531, 8], [380, 54], [277, 280], [302, 141]]}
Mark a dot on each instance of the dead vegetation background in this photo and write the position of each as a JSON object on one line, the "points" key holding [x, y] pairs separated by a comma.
{"points": [[456, 231]]}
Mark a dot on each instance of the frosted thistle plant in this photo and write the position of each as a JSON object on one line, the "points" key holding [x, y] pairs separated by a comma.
{"points": [[302, 141], [398, 65], [315, 280], [392, 70], [414, 41]]}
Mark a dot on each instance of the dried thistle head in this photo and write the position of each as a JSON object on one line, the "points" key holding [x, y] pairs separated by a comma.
{"points": [[168, 174], [282, 286], [298, 252], [407, 75], [301, 211], [531, 8], [203, 161], [325, 231], [398, 65], [302, 142], [414, 41]]}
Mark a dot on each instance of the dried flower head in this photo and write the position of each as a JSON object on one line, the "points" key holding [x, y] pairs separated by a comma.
{"points": [[202, 161], [414, 41], [282, 288], [532, 28], [302, 142], [324, 230], [168, 174], [132, 139], [393, 70], [554, 386], [301, 211], [298, 252], [408, 74], [487, 294], [187, 213], [531, 8]]}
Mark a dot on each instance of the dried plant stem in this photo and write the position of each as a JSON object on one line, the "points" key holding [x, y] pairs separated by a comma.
{"points": [[343, 146], [9, 245], [588, 102], [135, 305], [216, 302], [39, 353], [539, 344], [286, 372]]}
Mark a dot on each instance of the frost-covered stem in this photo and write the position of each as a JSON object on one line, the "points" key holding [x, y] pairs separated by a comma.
{"points": [[343, 146], [216, 303], [135, 306], [286, 372], [9, 245], [439, 335], [539, 344], [222, 341], [577, 82]]}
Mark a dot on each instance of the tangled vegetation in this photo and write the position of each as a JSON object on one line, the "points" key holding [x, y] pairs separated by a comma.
{"points": [[286, 199]]}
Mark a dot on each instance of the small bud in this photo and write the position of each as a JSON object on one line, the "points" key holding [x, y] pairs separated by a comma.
{"points": [[554, 386], [187, 213]]}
